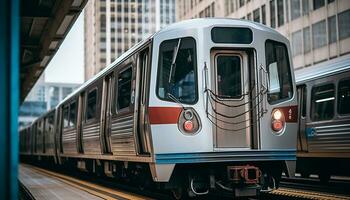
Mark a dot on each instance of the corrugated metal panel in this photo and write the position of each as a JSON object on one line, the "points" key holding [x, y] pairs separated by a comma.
{"points": [[91, 139], [122, 136], [69, 141], [334, 138]]}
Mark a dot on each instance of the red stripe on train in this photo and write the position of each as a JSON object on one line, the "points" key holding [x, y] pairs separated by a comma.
{"points": [[164, 115]]}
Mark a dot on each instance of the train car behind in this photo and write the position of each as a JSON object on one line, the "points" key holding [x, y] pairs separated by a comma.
{"points": [[324, 120]]}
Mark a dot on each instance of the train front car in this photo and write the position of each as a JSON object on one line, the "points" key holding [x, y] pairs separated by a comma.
{"points": [[222, 107]]}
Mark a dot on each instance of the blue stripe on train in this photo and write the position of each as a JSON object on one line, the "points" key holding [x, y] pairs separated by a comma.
{"points": [[228, 156]]}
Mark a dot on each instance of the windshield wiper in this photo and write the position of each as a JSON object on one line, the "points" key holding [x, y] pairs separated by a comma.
{"points": [[172, 97], [173, 62]]}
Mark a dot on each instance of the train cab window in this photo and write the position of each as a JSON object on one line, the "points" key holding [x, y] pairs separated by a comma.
{"points": [[278, 68], [177, 69], [72, 114], [91, 104], [322, 102], [229, 76], [65, 116], [344, 97], [124, 89]]}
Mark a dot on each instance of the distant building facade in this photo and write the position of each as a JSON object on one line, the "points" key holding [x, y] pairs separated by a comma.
{"points": [[318, 30], [43, 97], [113, 26]]}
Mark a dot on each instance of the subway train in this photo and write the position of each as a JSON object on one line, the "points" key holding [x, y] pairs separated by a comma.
{"points": [[324, 119], [202, 105]]}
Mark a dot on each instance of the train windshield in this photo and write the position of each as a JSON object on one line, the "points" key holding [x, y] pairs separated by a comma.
{"points": [[278, 68], [177, 71]]}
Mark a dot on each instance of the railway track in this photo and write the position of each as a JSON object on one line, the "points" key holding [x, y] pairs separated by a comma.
{"points": [[289, 188]]}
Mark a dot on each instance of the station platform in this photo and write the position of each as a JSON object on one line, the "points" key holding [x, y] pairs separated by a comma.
{"points": [[43, 184]]}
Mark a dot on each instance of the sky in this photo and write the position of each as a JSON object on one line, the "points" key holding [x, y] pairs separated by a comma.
{"points": [[67, 65]]}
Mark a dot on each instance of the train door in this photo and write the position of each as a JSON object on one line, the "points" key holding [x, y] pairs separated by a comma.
{"points": [[81, 106], [230, 100], [107, 98], [141, 123], [302, 100]]}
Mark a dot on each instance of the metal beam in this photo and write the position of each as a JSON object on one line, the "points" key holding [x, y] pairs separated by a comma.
{"points": [[9, 97]]}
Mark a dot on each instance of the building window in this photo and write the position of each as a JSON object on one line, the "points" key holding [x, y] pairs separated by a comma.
{"points": [[307, 40], [330, 1], [241, 3], [344, 97], [295, 9], [322, 103], [297, 43], [124, 89], [332, 30], [344, 24], [273, 14], [249, 16], [72, 114], [305, 7], [319, 37], [318, 4], [91, 104], [263, 14], [256, 15], [280, 12]]}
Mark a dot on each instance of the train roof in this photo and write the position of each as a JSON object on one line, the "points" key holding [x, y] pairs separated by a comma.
{"points": [[208, 22], [326, 68], [184, 25]]}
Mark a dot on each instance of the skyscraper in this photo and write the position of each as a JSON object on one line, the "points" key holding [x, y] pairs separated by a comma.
{"points": [[113, 26], [318, 30]]}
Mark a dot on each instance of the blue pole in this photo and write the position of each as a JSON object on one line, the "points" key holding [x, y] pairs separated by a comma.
{"points": [[9, 97]]}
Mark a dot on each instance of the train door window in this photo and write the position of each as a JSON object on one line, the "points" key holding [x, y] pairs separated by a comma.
{"points": [[278, 68], [322, 103], [177, 71], [91, 104], [344, 97], [73, 114], [304, 98], [229, 76], [65, 116], [124, 88]]}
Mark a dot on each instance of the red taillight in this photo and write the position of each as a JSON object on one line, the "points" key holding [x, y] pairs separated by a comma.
{"points": [[188, 126], [277, 121]]}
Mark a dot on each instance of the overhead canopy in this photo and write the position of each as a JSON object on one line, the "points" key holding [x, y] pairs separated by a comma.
{"points": [[44, 25]]}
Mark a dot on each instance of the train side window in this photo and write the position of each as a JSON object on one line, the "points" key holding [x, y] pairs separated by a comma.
{"points": [[91, 104], [344, 97], [322, 102], [72, 114], [124, 89], [65, 116]]}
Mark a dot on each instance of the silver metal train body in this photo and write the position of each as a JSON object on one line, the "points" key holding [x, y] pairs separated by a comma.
{"points": [[204, 103], [324, 128]]}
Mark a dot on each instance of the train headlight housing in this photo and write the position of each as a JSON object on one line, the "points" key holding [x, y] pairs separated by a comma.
{"points": [[189, 122], [278, 121]]}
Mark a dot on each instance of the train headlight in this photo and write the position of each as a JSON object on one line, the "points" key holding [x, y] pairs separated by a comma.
{"points": [[188, 126], [277, 121], [189, 122]]}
